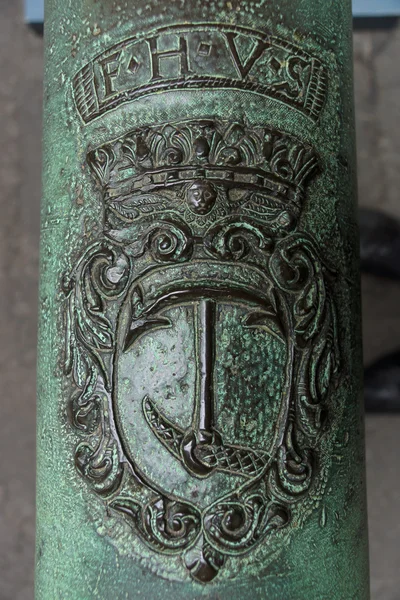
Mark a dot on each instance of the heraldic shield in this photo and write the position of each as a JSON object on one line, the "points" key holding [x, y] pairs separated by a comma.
{"points": [[202, 343]]}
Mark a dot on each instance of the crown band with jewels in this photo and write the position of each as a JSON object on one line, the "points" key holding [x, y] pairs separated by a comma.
{"points": [[232, 155]]}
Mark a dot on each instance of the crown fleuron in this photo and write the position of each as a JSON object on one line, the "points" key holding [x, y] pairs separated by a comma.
{"points": [[204, 156]]}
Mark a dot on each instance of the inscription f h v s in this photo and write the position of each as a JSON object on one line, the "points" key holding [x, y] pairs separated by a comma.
{"points": [[200, 57]]}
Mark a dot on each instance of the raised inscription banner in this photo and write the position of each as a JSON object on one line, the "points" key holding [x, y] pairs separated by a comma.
{"points": [[201, 56]]}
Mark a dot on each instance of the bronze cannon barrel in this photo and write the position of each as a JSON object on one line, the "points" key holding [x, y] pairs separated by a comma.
{"points": [[200, 428]]}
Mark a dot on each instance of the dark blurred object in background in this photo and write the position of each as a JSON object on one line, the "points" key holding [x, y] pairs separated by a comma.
{"points": [[380, 256], [379, 244], [382, 384]]}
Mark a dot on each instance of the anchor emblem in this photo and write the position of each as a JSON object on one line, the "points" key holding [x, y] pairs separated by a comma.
{"points": [[200, 447]]}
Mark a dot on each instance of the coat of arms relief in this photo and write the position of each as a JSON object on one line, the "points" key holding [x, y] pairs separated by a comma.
{"points": [[202, 341]]}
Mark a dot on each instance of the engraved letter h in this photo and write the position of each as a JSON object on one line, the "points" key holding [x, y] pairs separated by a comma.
{"points": [[181, 53]]}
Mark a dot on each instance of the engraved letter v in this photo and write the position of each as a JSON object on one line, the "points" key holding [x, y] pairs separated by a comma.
{"points": [[244, 68]]}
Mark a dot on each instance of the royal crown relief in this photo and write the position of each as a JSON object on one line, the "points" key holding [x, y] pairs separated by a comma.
{"points": [[201, 334]]}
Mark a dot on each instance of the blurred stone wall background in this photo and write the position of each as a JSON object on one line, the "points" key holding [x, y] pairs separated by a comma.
{"points": [[377, 86], [377, 97]]}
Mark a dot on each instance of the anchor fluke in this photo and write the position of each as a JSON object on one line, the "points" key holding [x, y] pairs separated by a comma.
{"points": [[196, 446]]}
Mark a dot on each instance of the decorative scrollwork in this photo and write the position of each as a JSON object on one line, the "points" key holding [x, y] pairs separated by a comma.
{"points": [[101, 275], [298, 271], [293, 473], [100, 465], [237, 524], [167, 242], [165, 524], [234, 240], [173, 525]]}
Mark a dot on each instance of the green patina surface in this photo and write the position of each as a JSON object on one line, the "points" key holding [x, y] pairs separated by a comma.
{"points": [[200, 429]]}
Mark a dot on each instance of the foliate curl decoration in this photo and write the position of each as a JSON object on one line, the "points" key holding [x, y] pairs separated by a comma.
{"points": [[174, 525], [298, 272], [101, 276], [234, 240], [238, 523], [166, 525], [167, 241]]}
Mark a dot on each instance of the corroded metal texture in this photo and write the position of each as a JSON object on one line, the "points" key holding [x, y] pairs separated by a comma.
{"points": [[200, 427]]}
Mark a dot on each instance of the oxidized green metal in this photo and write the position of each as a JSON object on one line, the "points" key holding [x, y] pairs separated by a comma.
{"points": [[200, 429]]}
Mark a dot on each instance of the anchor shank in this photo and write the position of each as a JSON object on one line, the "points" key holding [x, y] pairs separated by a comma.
{"points": [[204, 411]]}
